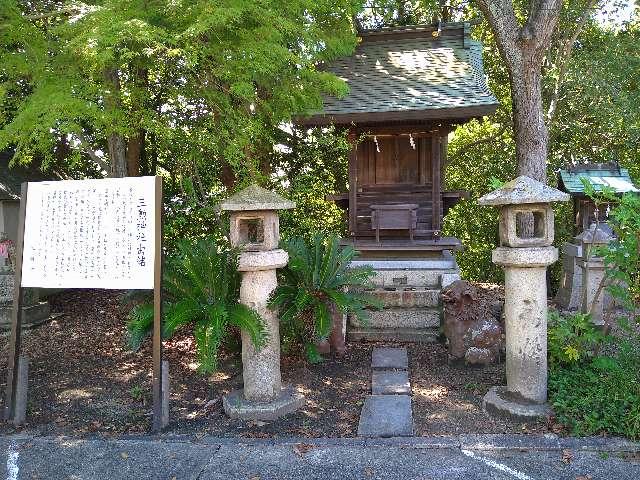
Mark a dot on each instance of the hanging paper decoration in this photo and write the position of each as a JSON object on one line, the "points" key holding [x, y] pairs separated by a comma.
{"points": [[375, 139], [412, 141]]}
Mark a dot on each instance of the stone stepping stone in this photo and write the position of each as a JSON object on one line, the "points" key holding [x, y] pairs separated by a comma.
{"points": [[386, 357], [386, 416], [390, 382]]}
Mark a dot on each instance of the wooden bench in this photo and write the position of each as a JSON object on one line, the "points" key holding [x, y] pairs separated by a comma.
{"points": [[402, 216]]}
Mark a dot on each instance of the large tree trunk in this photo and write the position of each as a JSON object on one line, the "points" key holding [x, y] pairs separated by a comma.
{"points": [[531, 134], [115, 142], [135, 147], [117, 155]]}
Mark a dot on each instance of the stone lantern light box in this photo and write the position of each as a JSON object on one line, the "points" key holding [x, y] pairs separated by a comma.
{"points": [[522, 198], [254, 221]]}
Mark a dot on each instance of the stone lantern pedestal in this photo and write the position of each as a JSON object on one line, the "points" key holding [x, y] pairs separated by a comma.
{"points": [[255, 229], [524, 254]]}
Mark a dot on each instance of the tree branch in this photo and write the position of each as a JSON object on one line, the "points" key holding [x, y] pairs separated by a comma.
{"points": [[562, 59], [86, 148]]}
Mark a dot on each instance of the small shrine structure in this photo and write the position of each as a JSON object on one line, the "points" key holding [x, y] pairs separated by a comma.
{"points": [[599, 175], [570, 291], [409, 89]]}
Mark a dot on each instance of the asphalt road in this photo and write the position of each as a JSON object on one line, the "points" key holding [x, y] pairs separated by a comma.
{"points": [[451, 458]]}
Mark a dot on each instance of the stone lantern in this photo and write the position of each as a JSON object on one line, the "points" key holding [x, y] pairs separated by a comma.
{"points": [[593, 266], [254, 228], [525, 252]]}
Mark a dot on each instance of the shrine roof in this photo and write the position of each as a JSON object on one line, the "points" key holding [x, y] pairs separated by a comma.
{"points": [[254, 197], [599, 176], [411, 73]]}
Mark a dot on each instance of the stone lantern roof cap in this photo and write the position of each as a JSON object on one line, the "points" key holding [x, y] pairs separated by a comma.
{"points": [[523, 190], [254, 197]]}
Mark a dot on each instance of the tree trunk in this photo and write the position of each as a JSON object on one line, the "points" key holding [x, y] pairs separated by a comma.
{"points": [[135, 147], [531, 134], [115, 141], [117, 155]]}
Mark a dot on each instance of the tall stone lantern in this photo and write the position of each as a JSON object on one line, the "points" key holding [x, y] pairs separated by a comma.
{"points": [[524, 255], [254, 228]]}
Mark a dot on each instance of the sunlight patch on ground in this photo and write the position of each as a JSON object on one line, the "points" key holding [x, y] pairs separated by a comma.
{"points": [[434, 392], [78, 393]]}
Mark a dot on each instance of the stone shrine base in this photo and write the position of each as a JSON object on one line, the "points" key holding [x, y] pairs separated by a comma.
{"points": [[236, 406], [499, 402], [409, 289], [32, 315]]}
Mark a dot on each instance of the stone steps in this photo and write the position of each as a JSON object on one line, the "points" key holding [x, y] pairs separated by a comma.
{"points": [[388, 412], [400, 318], [408, 297], [360, 334]]}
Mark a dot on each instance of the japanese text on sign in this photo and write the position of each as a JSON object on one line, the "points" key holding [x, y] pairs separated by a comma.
{"points": [[90, 234]]}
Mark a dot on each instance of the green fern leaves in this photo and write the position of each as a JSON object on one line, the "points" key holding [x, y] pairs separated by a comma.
{"points": [[201, 287], [318, 275]]}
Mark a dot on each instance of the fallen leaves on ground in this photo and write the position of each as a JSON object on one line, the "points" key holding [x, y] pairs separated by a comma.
{"points": [[302, 448]]}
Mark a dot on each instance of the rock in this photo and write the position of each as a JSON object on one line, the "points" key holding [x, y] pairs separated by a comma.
{"points": [[472, 326]]}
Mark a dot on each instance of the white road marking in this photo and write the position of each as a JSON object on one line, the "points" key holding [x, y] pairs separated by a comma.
{"points": [[12, 463], [497, 466]]}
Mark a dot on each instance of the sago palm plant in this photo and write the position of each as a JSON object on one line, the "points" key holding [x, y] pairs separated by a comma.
{"points": [[201, 286], [317, 279]]}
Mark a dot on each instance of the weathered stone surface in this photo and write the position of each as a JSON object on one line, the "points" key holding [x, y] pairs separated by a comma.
{"points": [[32, 315], [387, 357], [386, 416], [267, 230], [357, 334], [400, 318], [261, 368], [406, 278], [408, 298], [523, 190], [288, 400], [593, 272], [526, 331], [390, 382], [254, 197], [498, 402], [471, 324], [261, 261], [525, 257]]}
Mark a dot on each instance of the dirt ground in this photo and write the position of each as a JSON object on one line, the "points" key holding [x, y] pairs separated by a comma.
{"points": [[84, 380]]}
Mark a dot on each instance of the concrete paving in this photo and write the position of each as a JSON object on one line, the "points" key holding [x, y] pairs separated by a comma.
{"points": [[386, 416], [390, 382], [508, 457], [385, 357]]}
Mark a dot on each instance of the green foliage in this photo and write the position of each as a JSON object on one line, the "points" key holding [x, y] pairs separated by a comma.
{"points": [[572, 339], [201, 288], [312, 166], [317, 276], [599, 396], [207, 84]]}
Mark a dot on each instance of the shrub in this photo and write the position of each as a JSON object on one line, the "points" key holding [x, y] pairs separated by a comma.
{"points": [[201, 286], [598, 396], [572, 339], [317, 276]]}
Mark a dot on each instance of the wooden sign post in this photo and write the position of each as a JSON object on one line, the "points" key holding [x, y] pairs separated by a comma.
{"points": [[90, 234]]}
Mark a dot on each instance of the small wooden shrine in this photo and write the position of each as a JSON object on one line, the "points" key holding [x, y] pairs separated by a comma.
{"points": [[599, 175], [409, 88]]}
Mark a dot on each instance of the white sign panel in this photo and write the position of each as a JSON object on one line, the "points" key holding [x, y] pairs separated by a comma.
{"points": [[90, 234]]}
